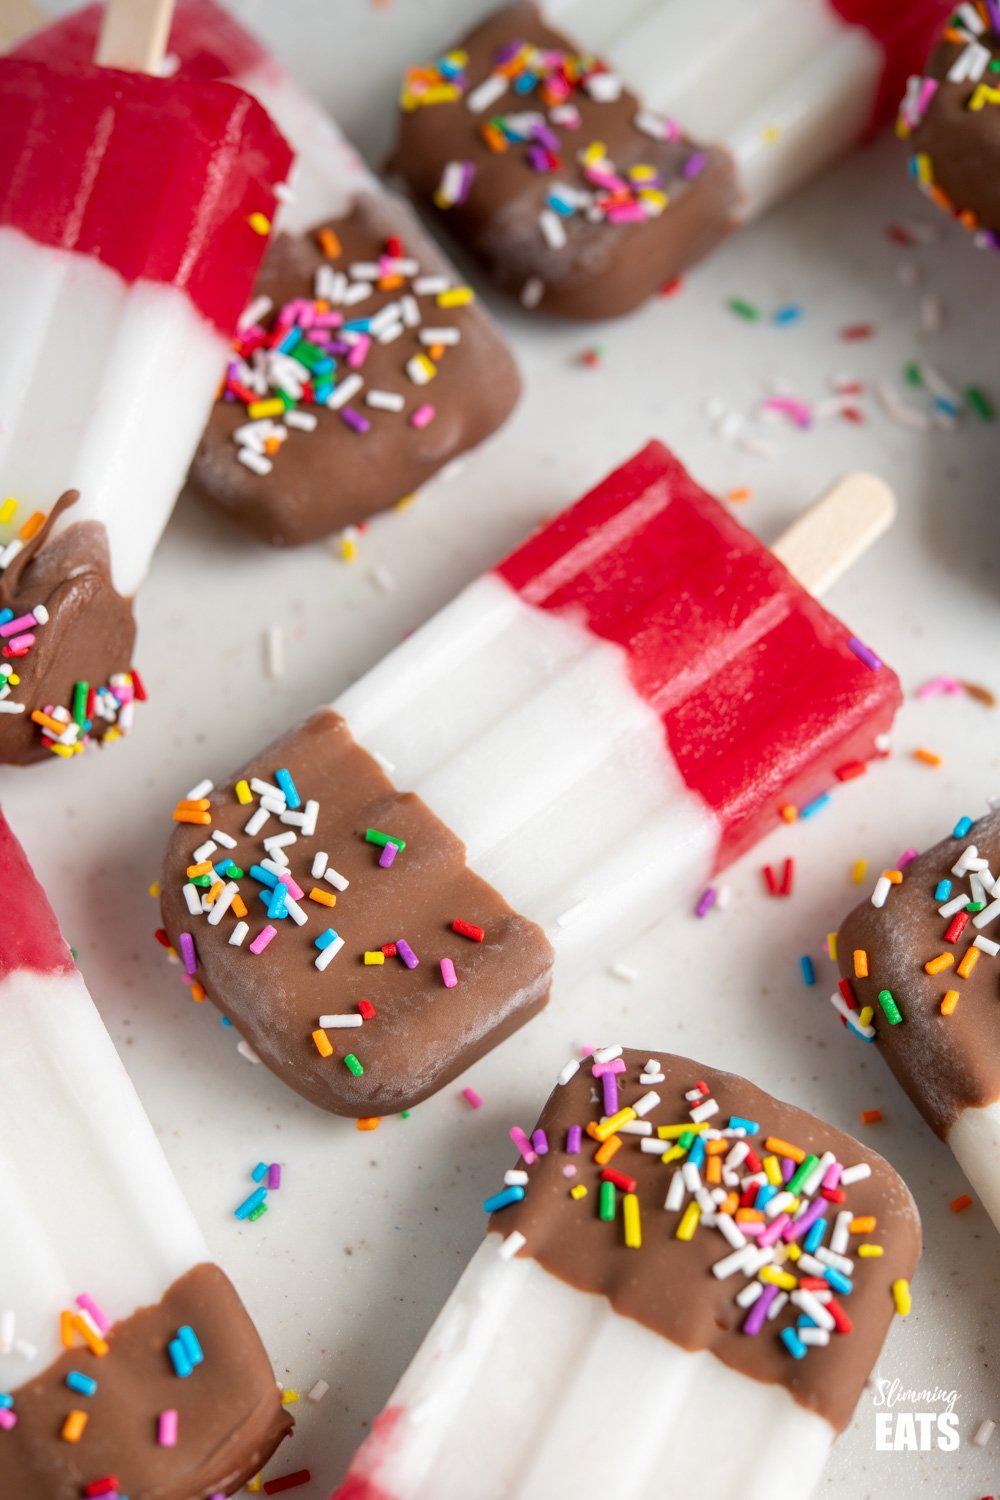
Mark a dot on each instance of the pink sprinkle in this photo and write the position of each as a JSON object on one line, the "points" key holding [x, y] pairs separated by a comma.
{"points": [[569, 1170], [423, 416], [21, 642], [359, 352], [294, 890], [626, 213], [522, 1143], [905, 858], [471, 1098], [262, 939], [274, 1175], [798, 411], [8, 1421], [939, 685], [831, 1176], [616, 1065], [167, 1429], [23, 622], [448, 974], [88, 1305]]}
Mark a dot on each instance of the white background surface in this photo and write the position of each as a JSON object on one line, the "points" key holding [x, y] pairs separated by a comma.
{"points": [[369, 1232]]}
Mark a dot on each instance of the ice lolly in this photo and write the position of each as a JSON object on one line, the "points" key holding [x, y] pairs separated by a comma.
{"points": [[364, 364], [128, 1364], [134, 212], [587, 171], [566, 752], [709, 1272], [950, 123], [920, 980]]}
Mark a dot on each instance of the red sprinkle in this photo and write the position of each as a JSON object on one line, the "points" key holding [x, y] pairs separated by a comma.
{"points": [[855, 331], [161, 937], [851, 770], [957, 927], [841, 1321], [469, 930], [366, 1010], [105, 1486], [960, 1204], [389, 949], [898, 235], [788, 877], [844, 986], [672, 287], [287, 1482], [620, 1180]]}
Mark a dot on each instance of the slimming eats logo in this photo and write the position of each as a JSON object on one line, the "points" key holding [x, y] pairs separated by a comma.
{"points": [[908, 1421]]}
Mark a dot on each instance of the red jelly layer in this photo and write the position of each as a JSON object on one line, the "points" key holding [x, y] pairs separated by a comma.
{"points": [[762, 700], [906, 30], [208, 40], [159, 179], [29, 933]]}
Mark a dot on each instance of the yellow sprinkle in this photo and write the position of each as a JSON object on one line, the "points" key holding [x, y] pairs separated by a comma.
{"points": [[674, 1132], [831, 946], [794, 1251], [63, 750], [457, 296], [273, 407], [259, 223], [578, 1192], [949, 1002], [322, 1042], [595, 152], [72, 1428], [935, 965], [289, 1398], [771, 134], [374, 957], [348, 549], [870, 1252], [901, 1297], [968, 963], [243, 793], [772, 1169], [154, 889], [13, 679], [633, 1228], [7, 510], [860, 964], [254, 1485], [867, 1011], [407, 501], [610, 1125], [776, 1277], [689, 1222], [984, 95], [674, 1154], [858, 870], [924, 169]]}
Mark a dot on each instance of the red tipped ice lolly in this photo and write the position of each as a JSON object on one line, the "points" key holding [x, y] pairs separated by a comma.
{"points": [[104, 1274], [593, 729], [134, 213]]}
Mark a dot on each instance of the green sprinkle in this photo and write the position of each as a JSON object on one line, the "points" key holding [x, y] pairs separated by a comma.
{"points": [[354, 1065], [995, 65], [913, 374], [80, 692], [606, 1203], [804, 1170], [744, 309], [687, 1140], [258, 1213], [892, 1012], [372, 836], [205, 881], [233, 871], [978, 399], [975, 906], [404, 1114]]}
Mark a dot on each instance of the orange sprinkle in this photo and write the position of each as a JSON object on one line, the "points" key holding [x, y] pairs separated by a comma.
{"points": [[784, 1148], [748, 1216], [368, 1122], [894, 876], [205, 868], [198, 992], [239, 905], [322, 1042], [717, 1148], [789, 813], [604, 1153], [935, 965], [436, 352], [32, 526], [72, 1428], [730, 1204], [871, 1116], [66, 1330], [713, 1171], [969, 961], [44, 719], [494, 138], [214, 892], [960, 1204], [863, 1225], [90, 1337], [186, 815], [329, 243], [325, 898], [737, 495], [949, 1002], [860, 964], [927, 757]]}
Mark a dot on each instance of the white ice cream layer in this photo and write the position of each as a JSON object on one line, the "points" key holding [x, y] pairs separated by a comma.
{"points": [[975, 1140], [522, 731], [89, 1202], [328, 172], [526, 1388], [105, 387], [785, 85]]}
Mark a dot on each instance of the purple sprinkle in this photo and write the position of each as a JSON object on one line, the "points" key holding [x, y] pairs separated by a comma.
{"points": [[864, 653], [754, 1320], [706, 901], [538, 159], [522, 1143], [574, 1140], [354, 419], [540, 1142], [188, 953], [389, 852], [406, 953], [508, 51], [610, 1086], [805, 1220], [274, 1175], [695, 165], [788, 1169]]}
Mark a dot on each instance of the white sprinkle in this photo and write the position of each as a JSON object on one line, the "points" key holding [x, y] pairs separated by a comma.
{"points": [[851, 1175], [275, 866], [990, 914], [986, 945], [486, 93], [553, 229], [817, 1336], [385, 400], [983, 1433], [607, 1054], [256, 821], [737, 1155], [691, 1176], [880, 894], [340, 1023], [294, 910], [244, 1048], [898, 410], [416, 369], [254, 312], [840, 1239], [238, 935], [959, 903], [532, 292], [646, 1103], [339, 882], [383, 761], [730, 1230], [776, 1306], [624, 971], [431, 286], [319, 864], [318, 1391], [659, 127], [207, 849], [675, 1193], [512, 1244], [342, 393], [813, 1308], [326, 956], [250, 459], [515, 1178], [357, 291], [222, 903], [311, 815], [569, 1071], [280, 841], [604, 87], [653, 1147], [225, 839], [750, 1293], [730, 1264], [850, 1016], [704, 1111], [439, 336], [305, 421], [637, 1127], [192, 898], [649, 1078], [201, 790]]}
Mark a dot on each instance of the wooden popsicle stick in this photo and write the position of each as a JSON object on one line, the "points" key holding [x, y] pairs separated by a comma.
{"points": [[832, 534], [134, 35], [17, 18]]}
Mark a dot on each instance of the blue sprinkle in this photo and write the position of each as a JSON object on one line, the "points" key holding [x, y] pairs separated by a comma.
{"points": [[808, 969], [503, 1200], [84, 1385], [267, 897], [179, 1359], [249, 1204], [814, 806], [192, 1348], [257, 872], [851, 1027], [284, 780], [814, 1237], [6, 1402], [737, 1122], [358, 325], [961, 828], [277, 902], [765, 1193], [6, 615], [790, 314], [292, 337], [259, 1172], [796, 1348], [697, 1153], [225, 1021], [942, 890], [326, 938], [837, 1279]]}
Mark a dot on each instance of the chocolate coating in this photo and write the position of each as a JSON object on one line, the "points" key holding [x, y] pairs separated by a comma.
{"points": [[955, 149], [667, 1285], [230, 1417], [946, 1063], [324, 480], [423, 1034], [90, 634], [605, 269]]}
